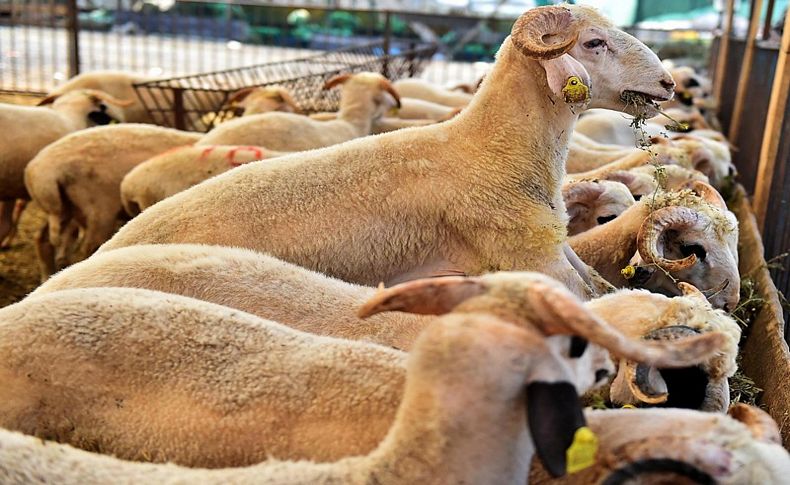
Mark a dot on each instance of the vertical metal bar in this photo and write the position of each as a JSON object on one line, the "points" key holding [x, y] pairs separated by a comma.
{"points": [[387, 40], [178, 108], [746, 72], [767, 23], [724, 48], [773, 129], [72, 27], [12, 42]]}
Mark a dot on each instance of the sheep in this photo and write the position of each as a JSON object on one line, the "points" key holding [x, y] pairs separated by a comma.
{"points": [[363, 100], [681, 446], [217, 374], [478, 193], [263, 99], [419, 109], [267, 287], [685, 235], [115, 83], [644, 180], [594, 202], [180, 168], [77, 178], [611, 127], [742, 448], [28, 129], [427, 91]]}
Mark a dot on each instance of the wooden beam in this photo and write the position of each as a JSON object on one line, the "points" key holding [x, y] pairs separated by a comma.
{"points": [[724, 48], [776, 118], [746, 71]]}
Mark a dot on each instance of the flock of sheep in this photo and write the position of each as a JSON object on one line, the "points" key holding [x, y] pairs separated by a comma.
{"points": [[232, 331]]}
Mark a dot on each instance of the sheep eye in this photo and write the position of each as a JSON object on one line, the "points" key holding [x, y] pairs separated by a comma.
{"points": [[592, 44], [696, 249], [605, 219], [578, 346]]}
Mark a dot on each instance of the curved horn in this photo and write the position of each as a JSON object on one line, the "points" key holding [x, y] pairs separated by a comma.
{"points": [[582, 191], [48, 100], [760, 424], [429, 296], [707, 193], [654, 226], [388, 87], [557, 311], [696, 460], [289, 100], [240, 95], [335, 80], [531, 29], [108, 98], [464, 88]]}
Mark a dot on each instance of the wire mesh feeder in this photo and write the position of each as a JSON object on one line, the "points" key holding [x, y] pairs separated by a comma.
{"points": [[198, 102]]}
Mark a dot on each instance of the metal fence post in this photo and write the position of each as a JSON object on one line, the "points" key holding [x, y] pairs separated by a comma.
{"points": [[178, 109], [387, 38], [73, 34]]}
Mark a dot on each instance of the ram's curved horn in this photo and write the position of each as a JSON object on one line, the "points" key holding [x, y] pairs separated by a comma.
{"points": [[530, 31], [654, 227]]}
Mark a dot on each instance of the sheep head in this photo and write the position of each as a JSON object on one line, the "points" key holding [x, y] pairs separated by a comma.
{"points": [[651, 316], [590, 203], [363, 87], [711, 157], [255, 100], [690, 236], [571, 40], [93, 107]]}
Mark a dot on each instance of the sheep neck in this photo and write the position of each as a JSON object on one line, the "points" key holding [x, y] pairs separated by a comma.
{"points": [[609, 247], [357, 108], [440, 431], [76, 121], [519, 126]]}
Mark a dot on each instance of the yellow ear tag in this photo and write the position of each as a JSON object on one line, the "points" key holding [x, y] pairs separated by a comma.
{"points": [[113, 122], [394, 111], [629, 406], [575, 91], [581, 453], [628, 272]]}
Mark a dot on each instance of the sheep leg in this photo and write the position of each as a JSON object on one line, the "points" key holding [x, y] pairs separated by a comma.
{"points": [[97, 231], [6, 222], [19, 208], [45, 252], [67, 244]]}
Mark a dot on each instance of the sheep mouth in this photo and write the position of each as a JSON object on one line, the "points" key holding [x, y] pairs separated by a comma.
{"points": [[642, 97]]}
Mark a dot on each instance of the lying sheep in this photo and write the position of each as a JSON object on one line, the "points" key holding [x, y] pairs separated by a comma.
{"points": [[264, 99], [740, 449], [213, 393], [611, 127], [364, 98], [681, 446], [267, 287], [419, 109], [678, 236], [28, 129], [431, 200], [594, 202], [179, 169], [427, 91], [77, 178]]}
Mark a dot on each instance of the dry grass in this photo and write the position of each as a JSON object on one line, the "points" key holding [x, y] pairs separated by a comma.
{"points": [[18, 264]]}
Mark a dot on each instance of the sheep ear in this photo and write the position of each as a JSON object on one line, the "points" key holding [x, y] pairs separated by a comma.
{"points": [[48, 100], [760, 424], [562, 73], [240, 95], [430, 296]]}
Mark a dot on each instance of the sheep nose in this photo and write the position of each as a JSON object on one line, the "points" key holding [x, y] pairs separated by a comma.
{"points": [[667, 83], [727, 307]]}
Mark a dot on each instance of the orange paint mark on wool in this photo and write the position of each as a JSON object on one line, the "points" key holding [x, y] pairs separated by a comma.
{"points": [[206, 152], [231, 156]]}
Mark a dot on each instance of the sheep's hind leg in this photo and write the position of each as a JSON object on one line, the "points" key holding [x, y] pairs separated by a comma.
{"points": [[6, 222], [97, 231], [19, 208], [45, 252]]}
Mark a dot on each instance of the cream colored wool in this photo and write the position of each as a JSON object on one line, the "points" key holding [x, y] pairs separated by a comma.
{"points": [[78, 177], [419, 109], [176, 170], [432, 93], [363, 99], [478, 193]]}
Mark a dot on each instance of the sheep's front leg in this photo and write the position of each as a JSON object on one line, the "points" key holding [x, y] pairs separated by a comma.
{"points": [[6, 221], [45, 252], [19, 208]]}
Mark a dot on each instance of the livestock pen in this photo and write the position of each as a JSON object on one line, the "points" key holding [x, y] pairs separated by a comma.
{"points": [[198, 59]]}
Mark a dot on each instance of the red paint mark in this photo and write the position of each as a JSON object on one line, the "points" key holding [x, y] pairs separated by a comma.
{"points": [[206, 152], [231, 155]]}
